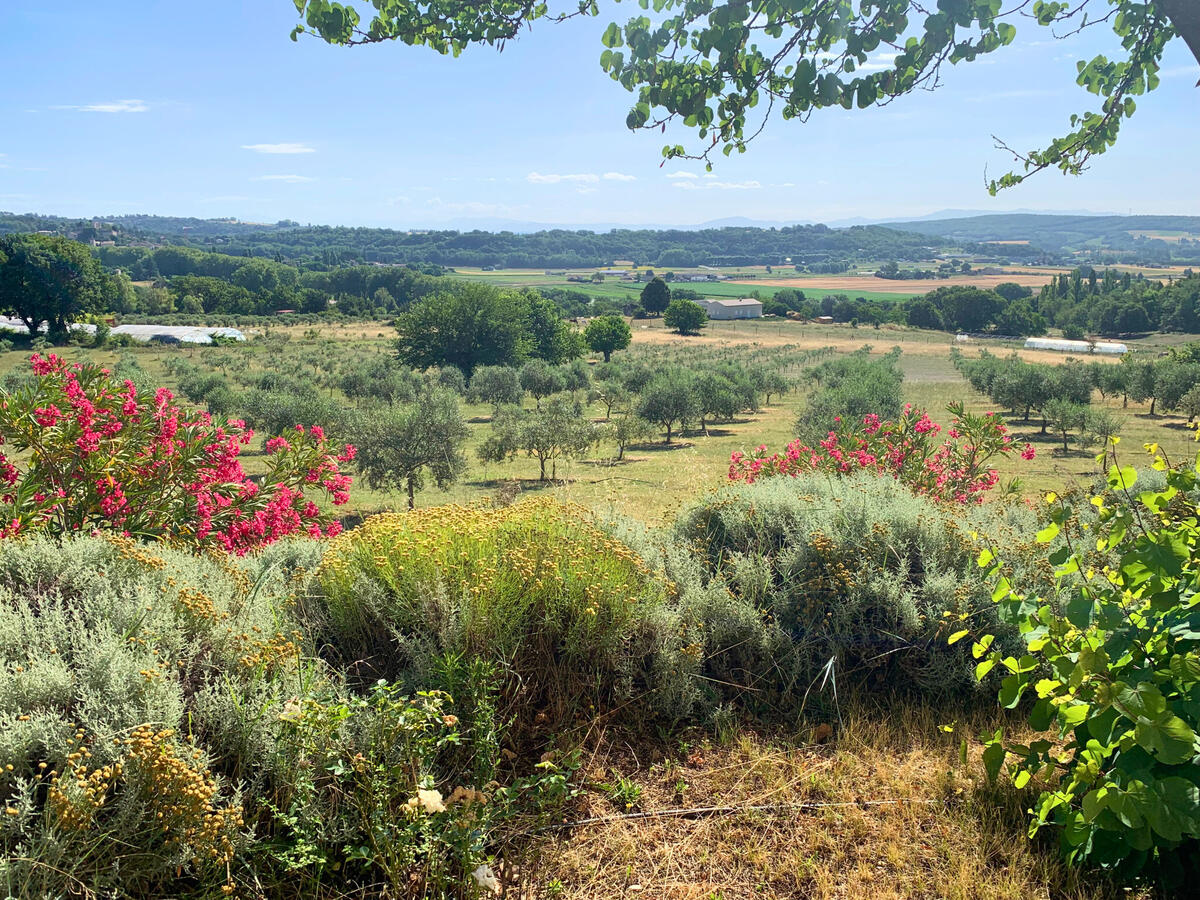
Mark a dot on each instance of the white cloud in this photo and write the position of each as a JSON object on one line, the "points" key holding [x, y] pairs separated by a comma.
{"points": [[279, 148], [289, 179], [719, 185], [116, 106], [619, 176], [581, 178], [880, 62], [682, 175]]}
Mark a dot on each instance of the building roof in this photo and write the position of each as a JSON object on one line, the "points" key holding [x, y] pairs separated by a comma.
{"points": [[731, 303]]}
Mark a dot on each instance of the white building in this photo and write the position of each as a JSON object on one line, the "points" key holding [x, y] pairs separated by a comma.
{"points": [[745, 308]]}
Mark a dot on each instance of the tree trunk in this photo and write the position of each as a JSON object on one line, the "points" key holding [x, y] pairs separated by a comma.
{"points": [[410, 493], [542, 473], [620, 452], [703, 426], [1185, 16], [668, 432], [1153, 400], [607, 355], [1066, 449]]}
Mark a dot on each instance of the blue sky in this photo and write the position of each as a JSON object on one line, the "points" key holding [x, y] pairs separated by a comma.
{"points": [[208, 109]]}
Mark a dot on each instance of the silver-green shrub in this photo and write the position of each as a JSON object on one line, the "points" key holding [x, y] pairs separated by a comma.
{"points": [[859, 571]]}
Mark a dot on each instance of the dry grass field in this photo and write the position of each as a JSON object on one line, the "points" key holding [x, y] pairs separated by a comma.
{"points": [[886, 811]]}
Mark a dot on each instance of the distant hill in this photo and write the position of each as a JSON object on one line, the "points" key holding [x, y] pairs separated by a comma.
{"points": [[819, 247], [1159, 239]]}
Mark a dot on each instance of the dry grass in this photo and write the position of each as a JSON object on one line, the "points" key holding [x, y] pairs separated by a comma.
{"points": [[947, 836]]}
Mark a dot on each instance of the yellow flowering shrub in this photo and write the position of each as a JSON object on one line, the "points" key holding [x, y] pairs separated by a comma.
{"points": [[538, 587]]}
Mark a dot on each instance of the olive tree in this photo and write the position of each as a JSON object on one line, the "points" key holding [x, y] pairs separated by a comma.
{"points": [[406, 444]]}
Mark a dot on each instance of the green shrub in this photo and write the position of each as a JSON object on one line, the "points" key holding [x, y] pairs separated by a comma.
{"points": [[859, 571], [849, 388], [572, 619], [1112, 656]]}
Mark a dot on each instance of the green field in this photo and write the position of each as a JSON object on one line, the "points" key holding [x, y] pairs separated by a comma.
{"points": [[612, 288]]}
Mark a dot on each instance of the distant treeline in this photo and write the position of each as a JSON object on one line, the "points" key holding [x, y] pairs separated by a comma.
{"points": [[811, 246]]}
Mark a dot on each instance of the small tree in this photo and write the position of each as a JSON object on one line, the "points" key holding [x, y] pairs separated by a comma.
{"points": [[607, 334], [541, 380], [610, 394], [1189, 404], [656, 296], [773, 383], [497, 385], [557, 431], [404, 445], [631, 429], [1064, 417], [1099, 425], [670, 399], [685, 317], [717, 398]]}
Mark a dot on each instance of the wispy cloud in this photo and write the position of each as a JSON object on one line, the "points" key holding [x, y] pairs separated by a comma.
{"points": [[580, 178], [289, 179], [619, 176], [682, 175], [718, 185], [116, 106], [880, 62], [279, 148]]}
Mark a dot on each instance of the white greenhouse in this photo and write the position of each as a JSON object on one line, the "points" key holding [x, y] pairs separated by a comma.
{"points": [[1110, 348]]}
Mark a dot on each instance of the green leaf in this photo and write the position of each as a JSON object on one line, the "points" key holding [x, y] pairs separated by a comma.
{"points": [[612, 36], [1047, 534], [957, 636], [993, 760], [983, 668]]}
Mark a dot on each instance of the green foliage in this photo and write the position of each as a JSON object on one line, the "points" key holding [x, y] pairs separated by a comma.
{"points": [[567, 614], [607, 334], [850, 388], [467, 326], [656, 296], [685, 317], [670, 399], [497, 385], [555, 431], [856, 570], [1111, 664], [52, 281], [701, 65], [399, 446]]}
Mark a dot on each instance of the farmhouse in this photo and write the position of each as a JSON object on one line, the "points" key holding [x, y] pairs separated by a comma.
{"points": [[746, 308]]}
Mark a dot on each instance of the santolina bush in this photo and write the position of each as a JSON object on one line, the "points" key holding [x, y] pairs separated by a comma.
{"points": [[908, 448], [571, 617], [93, 454]]}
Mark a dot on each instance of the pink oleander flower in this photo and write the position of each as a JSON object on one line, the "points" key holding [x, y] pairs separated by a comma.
{"points": [[111, 458]]}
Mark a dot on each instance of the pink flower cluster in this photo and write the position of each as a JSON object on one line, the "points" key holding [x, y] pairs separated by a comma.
{"points": [[98, 456], [908, 449]]}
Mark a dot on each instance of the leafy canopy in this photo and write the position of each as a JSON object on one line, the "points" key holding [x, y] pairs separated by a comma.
{"points": [[723, 69]]}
